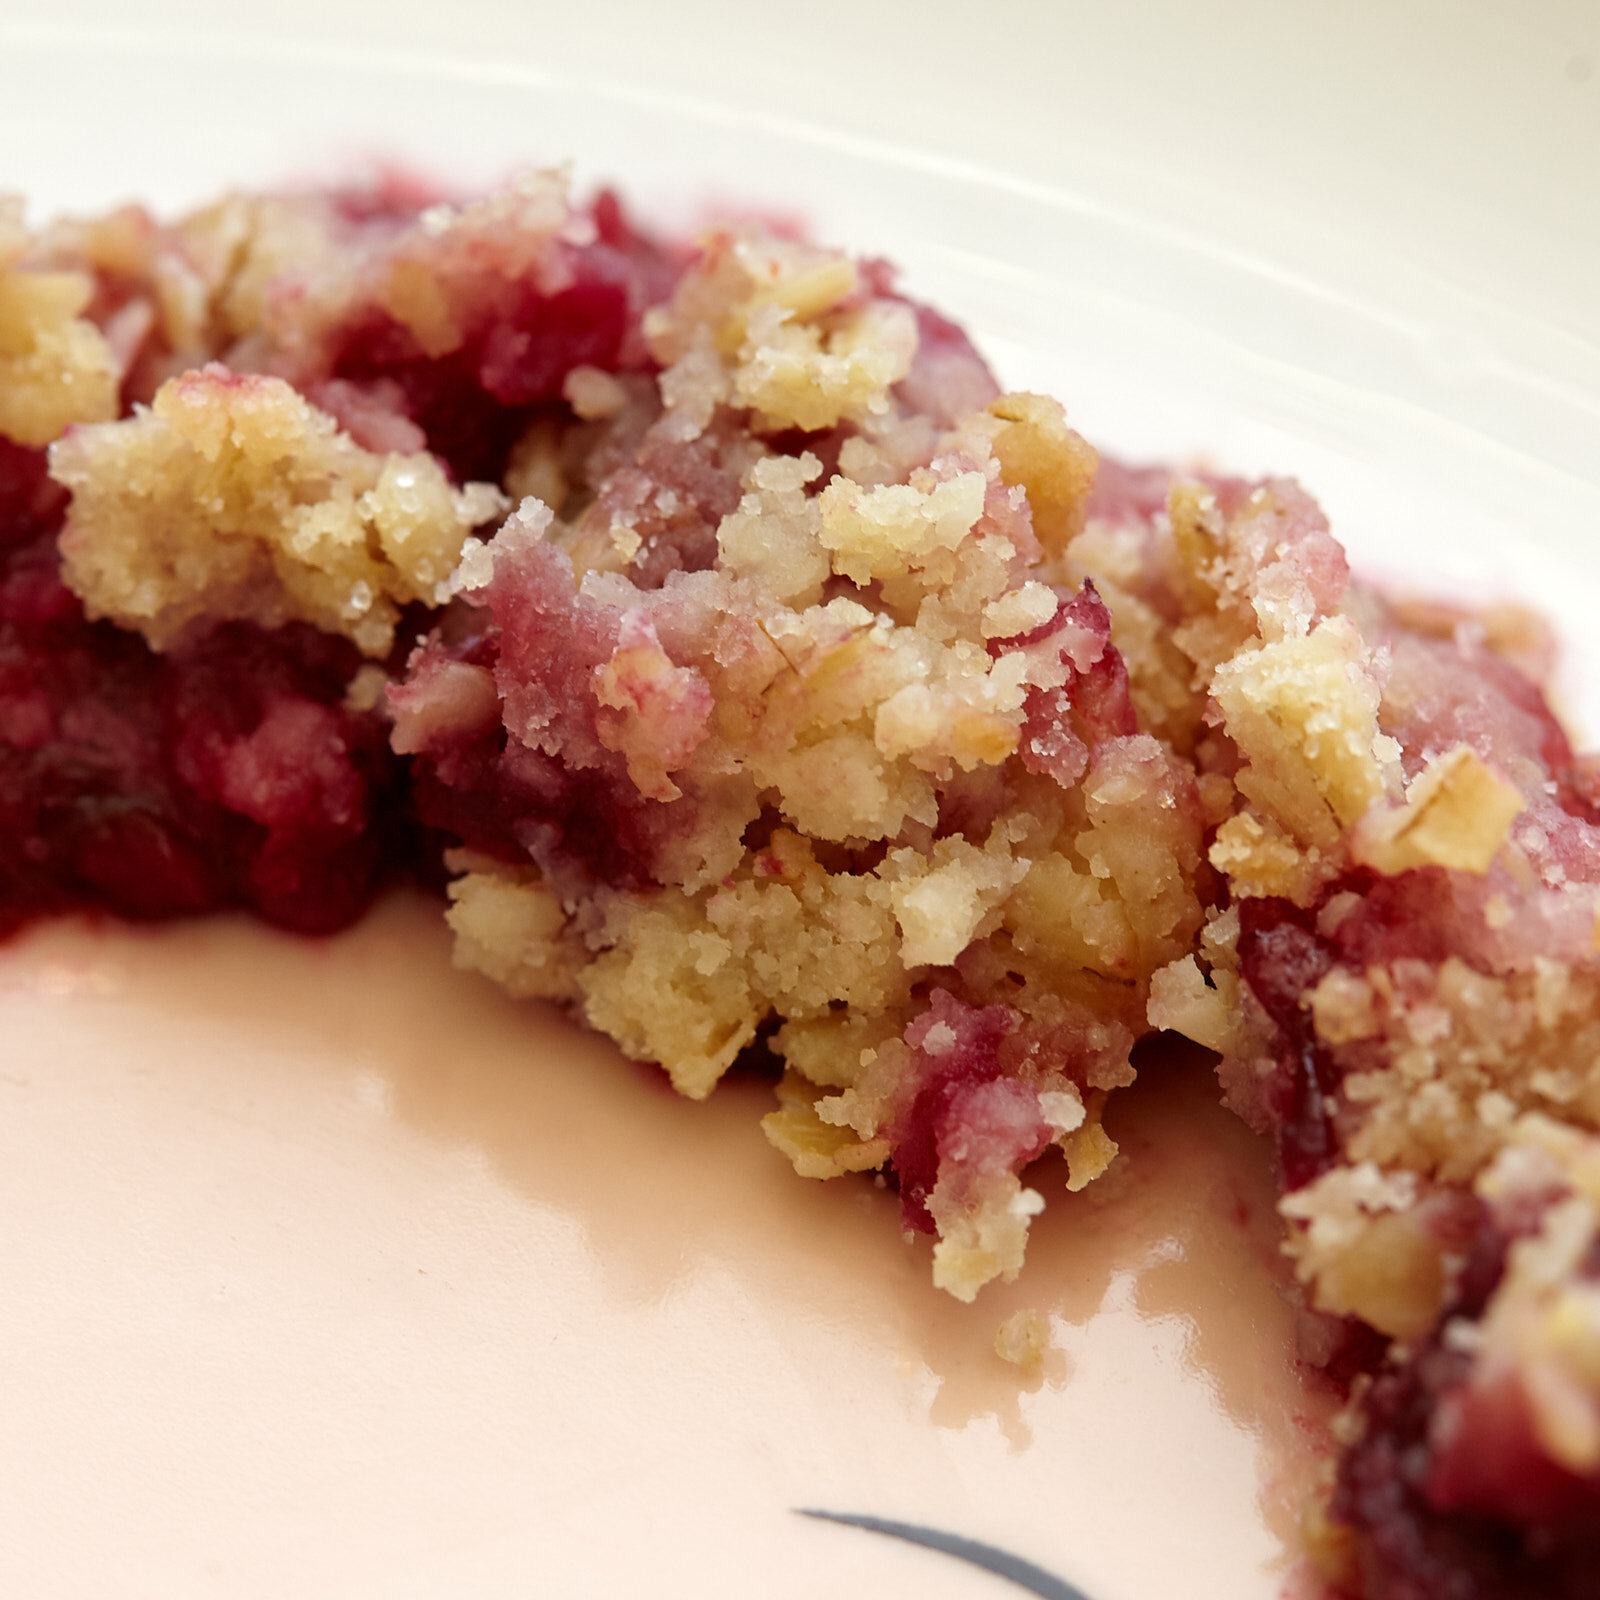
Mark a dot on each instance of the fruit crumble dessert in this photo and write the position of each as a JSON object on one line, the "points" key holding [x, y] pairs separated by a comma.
{"points": [[761, 682]]}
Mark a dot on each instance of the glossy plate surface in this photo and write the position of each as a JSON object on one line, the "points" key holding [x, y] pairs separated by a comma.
{"points": [[330, 1272]]}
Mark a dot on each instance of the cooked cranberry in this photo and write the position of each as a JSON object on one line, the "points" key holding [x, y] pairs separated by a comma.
{"points": [[1281, 957], [226, 772], [1536, 1533], [31, 502], [966, 1054], [526, 356], [1063, 725], [473, 402]]}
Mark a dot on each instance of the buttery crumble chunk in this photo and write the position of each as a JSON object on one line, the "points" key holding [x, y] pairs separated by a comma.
{"points": [[56, 367], [232, 498]]}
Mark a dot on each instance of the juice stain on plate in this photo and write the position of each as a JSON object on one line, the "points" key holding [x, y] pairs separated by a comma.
{"points": [[332, 1268]]}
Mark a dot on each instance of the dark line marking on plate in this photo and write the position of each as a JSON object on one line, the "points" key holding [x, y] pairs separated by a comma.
{"points": [[990, 1557]]}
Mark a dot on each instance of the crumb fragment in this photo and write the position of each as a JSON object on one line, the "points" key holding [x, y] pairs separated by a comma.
{"points": [[1023, 1340]]}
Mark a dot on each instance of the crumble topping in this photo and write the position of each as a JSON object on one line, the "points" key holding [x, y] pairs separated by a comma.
{"points": [[56, 367], [771, 687], [232, 498], [872, 784]]}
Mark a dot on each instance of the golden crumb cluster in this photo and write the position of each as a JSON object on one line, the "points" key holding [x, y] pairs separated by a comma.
{"points": [[56, 367], [231, 497], [884, 741]]}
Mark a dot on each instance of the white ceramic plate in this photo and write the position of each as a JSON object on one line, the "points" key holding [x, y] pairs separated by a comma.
{"points": [[330, 1272]]}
